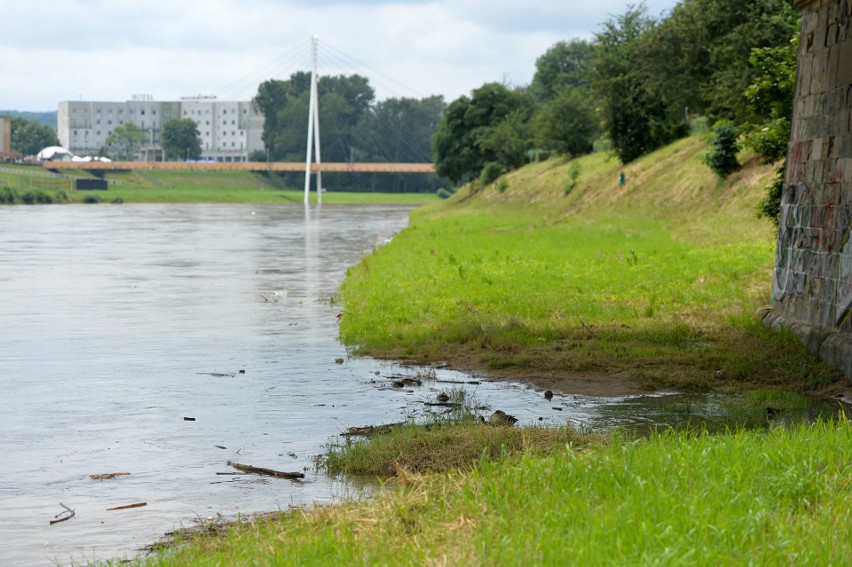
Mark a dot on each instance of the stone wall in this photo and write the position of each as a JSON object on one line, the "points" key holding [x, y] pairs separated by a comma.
{"points": [[812, 287]]}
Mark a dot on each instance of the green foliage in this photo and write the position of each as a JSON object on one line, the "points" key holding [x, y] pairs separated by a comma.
{"points": [[722, 155], [117, 201], [457, 146], [567, 124], [181, 139], [491, 171], [636, 116], [90, 199], [444, 193], [36, 197], [353, 127], [573, 177], [125, 142], [770, 206], [563, 66], [7, 196], [30, 137], [700, 52]]}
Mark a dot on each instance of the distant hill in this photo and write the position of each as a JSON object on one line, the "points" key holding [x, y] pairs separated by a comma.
{"points": [[48, 118]]}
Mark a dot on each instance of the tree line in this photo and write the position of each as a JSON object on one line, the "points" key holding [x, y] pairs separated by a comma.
{"points": [[353, 126], [637, 85]]}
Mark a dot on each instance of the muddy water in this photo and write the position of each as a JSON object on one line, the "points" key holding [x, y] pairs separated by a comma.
{"points": [[164, 341]]}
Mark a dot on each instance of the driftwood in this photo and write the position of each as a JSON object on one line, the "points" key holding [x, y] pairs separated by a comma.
{"points": [[268, 472], [473, 382], [128, 506], [368, 430], [66, 514], [443, 404], [107, 476]]}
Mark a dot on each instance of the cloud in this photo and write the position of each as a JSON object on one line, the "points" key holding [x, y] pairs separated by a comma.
{"points": [[108, 50]]}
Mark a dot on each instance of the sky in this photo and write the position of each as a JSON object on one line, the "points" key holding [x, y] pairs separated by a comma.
{"points": [[113, 50]]}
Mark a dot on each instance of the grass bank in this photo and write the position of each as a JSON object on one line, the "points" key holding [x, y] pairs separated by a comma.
{"points": [[676, 498], [185, 187], [586, 285]]}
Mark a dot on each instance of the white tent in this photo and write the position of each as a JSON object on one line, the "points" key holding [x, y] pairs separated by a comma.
{"points": [[54, 153]]}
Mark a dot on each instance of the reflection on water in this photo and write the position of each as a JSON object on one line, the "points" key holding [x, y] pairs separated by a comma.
{"points": [[120, 322]]}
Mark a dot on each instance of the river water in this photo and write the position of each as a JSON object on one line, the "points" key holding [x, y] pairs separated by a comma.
{"points": [[165, 340]]}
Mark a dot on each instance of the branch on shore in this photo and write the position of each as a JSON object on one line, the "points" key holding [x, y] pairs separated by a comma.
{"points": [[267, 472]]}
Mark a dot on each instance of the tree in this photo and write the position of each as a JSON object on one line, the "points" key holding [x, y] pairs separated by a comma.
{"points": [[29, 137], [565, 65], [181, 139], [637, 118], [700, 53], [770, 104], [567, 124], [459, 146], [125, 142]]}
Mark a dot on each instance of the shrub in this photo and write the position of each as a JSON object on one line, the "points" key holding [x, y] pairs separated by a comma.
{"points": [[28, 198], [491, 171], [61, 196], [43, 198], [573, 177], [770, 207], [502, 185], [117, 201], [722, 155], [91, 199], [444, 193], [7, 196]]}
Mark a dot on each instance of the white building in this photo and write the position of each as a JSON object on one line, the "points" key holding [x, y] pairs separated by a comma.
{"points": [[230, 131]]}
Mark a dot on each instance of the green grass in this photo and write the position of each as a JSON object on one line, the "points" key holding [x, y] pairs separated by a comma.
{"points": [[779, 497], [203, 187], [656, 282]]}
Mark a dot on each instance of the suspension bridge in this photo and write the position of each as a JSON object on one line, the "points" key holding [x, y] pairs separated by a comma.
{"points": [[313, 164]]}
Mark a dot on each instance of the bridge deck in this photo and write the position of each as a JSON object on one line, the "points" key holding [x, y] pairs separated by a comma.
{"points": [[243, 166]]}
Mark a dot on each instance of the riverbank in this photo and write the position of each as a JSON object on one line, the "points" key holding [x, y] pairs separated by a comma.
{"points": [[676, 498], [32, 185], [585, 285]]}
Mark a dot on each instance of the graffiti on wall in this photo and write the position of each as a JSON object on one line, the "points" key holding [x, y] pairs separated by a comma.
{"points": [[789, 259], [814, 242]]}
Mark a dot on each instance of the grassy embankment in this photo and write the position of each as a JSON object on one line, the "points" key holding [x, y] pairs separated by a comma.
{"points": [[776, 497], [189, 187], [651, 285], [670, 268]]}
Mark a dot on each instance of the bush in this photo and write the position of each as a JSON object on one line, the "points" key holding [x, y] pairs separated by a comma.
{"points": [[61, 196], [117, 201], [502, 185], [770, 207], [28, 198], [444, 193], [722, 155], [7, 196], [43, 198], [573, 177], [491, 171], [91, 199]]}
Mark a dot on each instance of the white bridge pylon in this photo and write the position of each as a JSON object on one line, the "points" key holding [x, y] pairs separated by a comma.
{"points": [[313, 127]]}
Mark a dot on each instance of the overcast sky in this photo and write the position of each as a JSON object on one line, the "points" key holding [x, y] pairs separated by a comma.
{"points": [[110, 50]]}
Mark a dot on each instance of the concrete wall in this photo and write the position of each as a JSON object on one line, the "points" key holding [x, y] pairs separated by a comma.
{"points": [[812, 287]]}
